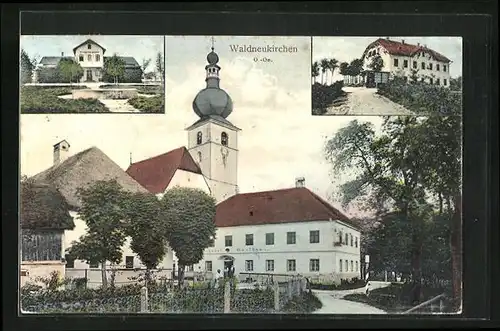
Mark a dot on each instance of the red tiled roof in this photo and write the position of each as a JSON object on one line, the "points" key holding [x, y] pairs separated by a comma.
{"points": [[398, 48], [272, 207], [155, 173]]}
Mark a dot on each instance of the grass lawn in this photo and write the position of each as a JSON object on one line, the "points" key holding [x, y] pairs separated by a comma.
{"points": [[141, 89], [395, 298], [41, 100]]}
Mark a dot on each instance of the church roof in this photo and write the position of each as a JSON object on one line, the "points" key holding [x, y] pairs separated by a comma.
{"points": [[274, 207], [155, 173], [89, 41], [82, 169]]}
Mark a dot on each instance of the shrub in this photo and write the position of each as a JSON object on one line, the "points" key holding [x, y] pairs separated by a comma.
{"points": [[148, 104], [48, 75], [422, 98], [345, 284], [324, 96], [35, 99], [252, 300], [305, 303], [130, 75]]}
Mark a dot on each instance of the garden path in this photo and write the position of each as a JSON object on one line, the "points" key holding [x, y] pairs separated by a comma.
{"points": [[365, 101]]}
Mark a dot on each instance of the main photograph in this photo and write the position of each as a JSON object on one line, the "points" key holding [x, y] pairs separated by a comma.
{"points": [[237, 200]]}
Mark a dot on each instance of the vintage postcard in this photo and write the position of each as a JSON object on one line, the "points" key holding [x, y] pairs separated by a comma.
{"points": [[238, 199], [92, 74], [386, 75]]}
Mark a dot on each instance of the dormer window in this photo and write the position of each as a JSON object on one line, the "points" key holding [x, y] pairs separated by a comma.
{"points": [[199, 137], [89, 46], [223, 138]]}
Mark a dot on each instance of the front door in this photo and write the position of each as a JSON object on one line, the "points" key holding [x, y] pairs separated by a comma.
{"points": [[89, 76], [227, 266], [370, 79]]}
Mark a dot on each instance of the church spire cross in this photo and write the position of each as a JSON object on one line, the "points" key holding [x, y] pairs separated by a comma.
{"points": [[213, 42]]}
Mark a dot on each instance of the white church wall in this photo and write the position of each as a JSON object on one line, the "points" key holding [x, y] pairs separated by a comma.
{"points": [[189, 179]]}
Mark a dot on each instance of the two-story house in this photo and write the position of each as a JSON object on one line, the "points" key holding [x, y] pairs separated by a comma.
{"points": [[408, 61], [287, 231], [91, 57]]}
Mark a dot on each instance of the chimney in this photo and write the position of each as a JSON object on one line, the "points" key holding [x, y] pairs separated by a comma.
{"points": [[418, 44], [300, 182], [62, 54], [61, 151], [403, 41]]}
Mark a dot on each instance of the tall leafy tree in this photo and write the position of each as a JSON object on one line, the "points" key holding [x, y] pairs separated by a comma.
{"points": [[69, 70], [160, 65], [391, 173], [315, 71], [456, 83], [145, 228], [189, 216], [324, 65], [144, 66], [356, 67], [114, 66], [27, 67], [102, 210], [377, 63], [344, 69], [333, 64]]}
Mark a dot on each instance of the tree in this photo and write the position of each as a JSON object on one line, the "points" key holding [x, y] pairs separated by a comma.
{"points": [[324, 65], [145, 228], [344, 69], [377, 63], [315, 71], [27, 67], [68, 70], [189, 216], [102, 210], [414, 76], [160, 65], [145, 65], [332, 66], [114, 66], [356, 67], [456, 83], [394, 171]]}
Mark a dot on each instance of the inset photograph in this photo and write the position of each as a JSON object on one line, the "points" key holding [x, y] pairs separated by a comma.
{"points": [[386, 76], [92, 74]]}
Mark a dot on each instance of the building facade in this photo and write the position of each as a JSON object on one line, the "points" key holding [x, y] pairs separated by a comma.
{"points": [[91, 57], [401, 59]]}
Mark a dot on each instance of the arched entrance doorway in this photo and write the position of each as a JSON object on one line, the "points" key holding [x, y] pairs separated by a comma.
{"points": [[228, 263]]}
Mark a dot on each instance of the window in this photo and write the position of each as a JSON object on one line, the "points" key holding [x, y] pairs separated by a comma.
{"points": [[291, 238], [89, 46], [199, 157], [223, 138], [438, 81], [415, 64], [444, 68], [190, 268], [352, 265], [346, 239], [346, 266], [70, 262], [212, 242], [269, 265], [93, 265], [431, 80], [290, 265], [423, 65], [249, 265], [341, 237], [314, 236], [249, 239], [129, 262], [314, 265], [89, 57], [396, 62], [228, 241], [24, 273], [405, 63], [357, 266], [199, 137], [437, 67], [80, 58], [340, 269], [445, 82], [352, 241], [430, 66], [356, 242], [269, 238], [97, 57], [208, 265]]}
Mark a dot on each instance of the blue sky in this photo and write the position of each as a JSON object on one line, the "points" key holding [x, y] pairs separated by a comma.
{"points": [[346, 49], [139, 47]]}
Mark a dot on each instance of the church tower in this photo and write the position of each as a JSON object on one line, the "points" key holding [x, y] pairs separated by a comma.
{"points": [[213, 140]]}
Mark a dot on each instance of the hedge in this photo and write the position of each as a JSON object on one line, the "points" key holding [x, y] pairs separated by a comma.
{"points": [[131, 75], [324, 96], [154, 104]]}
